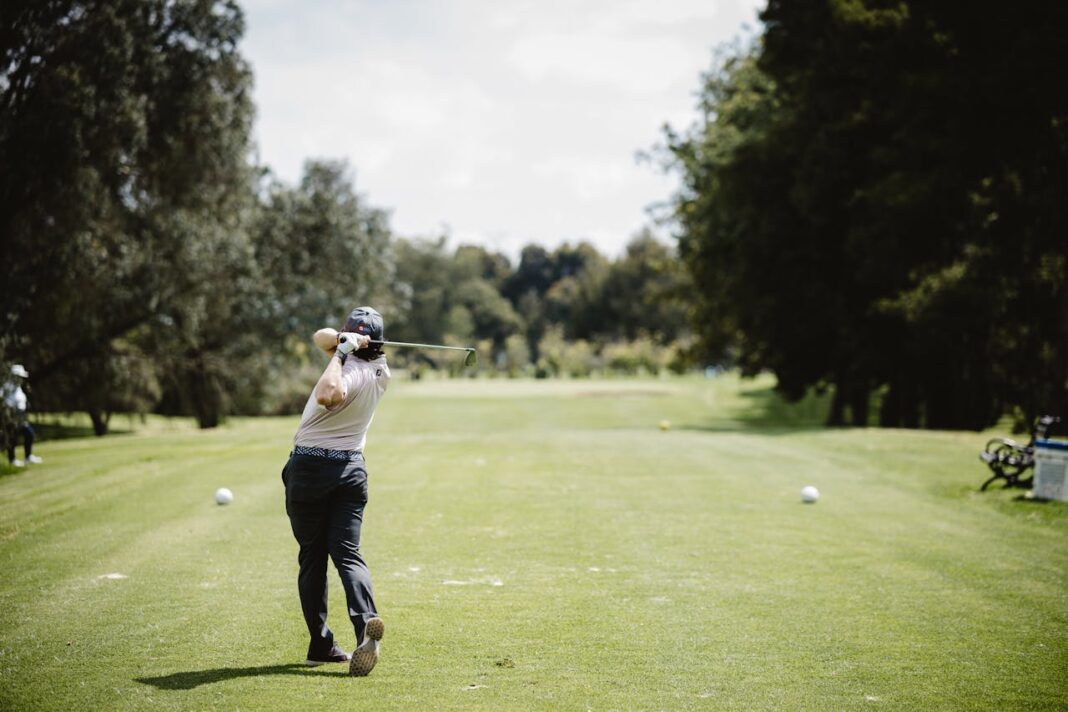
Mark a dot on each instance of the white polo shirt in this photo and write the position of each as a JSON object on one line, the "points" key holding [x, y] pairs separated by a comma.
{"points": [[344, 426], [14, 397]]}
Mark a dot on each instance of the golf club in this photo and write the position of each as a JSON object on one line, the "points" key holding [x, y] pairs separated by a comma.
{"points": [[470, 360]]}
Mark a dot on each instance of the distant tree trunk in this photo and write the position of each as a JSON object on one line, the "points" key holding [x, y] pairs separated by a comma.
{"points": [[900, 407], [1058, 404], [836, 415], [910, 405], [204, 393], [859, 400], [890, 410], [100, 420], [938, 404]]}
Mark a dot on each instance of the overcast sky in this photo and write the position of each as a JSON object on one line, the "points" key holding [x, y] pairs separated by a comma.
{"points": [[502, 122]]}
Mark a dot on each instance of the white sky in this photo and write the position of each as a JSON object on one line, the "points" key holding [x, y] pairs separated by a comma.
{"points": [[502, 123]]}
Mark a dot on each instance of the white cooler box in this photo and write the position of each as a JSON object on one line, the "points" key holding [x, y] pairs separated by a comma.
{"points": [[1051, 470]]}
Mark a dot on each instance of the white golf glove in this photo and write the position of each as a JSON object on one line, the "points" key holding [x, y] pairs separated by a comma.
{"points": [[347, 342]]}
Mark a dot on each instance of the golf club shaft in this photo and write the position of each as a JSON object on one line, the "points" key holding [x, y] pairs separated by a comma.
{"points": [[471, 359], [422, 346]]}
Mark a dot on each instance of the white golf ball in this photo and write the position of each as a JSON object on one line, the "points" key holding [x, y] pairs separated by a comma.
{"points": [[224, 496], [809, 494]]}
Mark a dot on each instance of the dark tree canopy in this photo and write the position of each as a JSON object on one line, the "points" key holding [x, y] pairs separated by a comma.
{"points": [[876, 200], [124, 138]]}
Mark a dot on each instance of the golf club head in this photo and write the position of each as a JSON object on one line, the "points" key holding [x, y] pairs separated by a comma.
{"points": [[471, 359]]}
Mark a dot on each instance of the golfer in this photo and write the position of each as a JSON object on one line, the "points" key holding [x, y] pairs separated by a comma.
{"points": [[326, 487], [15, 419]]}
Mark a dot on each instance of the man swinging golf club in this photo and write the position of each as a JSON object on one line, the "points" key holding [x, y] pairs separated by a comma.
{"points": [[326, 487]]}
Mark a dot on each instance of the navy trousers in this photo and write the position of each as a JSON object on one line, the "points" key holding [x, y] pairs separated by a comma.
{"points": [[19, 425], [325, 500]]}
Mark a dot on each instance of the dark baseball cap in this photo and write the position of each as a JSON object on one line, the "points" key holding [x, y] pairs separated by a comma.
{"points": [[365, 320]]}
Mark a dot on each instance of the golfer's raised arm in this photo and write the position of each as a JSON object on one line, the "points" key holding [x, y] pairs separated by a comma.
{"points": [[330, 390], [326, 339]]}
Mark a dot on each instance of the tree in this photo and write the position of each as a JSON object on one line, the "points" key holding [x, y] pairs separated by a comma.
{"points": [[645, 293], [475, 261], [534, 274], [491, 314], [574, 300], [453, 297], [321, 251], [123, 135], [933, 203], [422, 279], [853, 208]]}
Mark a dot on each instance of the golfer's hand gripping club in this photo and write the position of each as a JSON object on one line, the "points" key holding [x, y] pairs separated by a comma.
{"points": [[348, 342]]}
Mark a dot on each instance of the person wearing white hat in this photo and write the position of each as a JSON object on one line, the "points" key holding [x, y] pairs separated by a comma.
{"points": [[15, 421]]}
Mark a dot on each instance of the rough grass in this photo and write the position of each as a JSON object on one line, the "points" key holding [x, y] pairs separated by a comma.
{"points": [[544, 545]]}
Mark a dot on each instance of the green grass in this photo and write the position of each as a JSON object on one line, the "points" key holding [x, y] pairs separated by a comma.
{"points": [[605, 564]]}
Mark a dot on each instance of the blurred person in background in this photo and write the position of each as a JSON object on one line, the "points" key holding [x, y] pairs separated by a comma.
{"points": [[15, 420]]}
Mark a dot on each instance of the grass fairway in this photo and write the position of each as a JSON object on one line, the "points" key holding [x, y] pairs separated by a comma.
{"points": [[543, 545]]}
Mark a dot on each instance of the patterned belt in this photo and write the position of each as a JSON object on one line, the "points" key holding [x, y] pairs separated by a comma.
{"points": [[342, 455]]}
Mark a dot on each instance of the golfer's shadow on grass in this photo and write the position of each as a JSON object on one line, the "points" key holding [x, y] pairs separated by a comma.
{"points": [[196, 678]]}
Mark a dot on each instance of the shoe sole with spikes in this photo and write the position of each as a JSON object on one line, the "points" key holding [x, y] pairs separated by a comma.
{"points": [[365, 657]]}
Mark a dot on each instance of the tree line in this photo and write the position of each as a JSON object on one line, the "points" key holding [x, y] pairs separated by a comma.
{"points": [[151, 264], [875, 202]]}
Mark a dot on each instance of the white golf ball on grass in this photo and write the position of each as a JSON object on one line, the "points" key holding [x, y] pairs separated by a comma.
{"points": [[809, 494], [223, 496]]}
